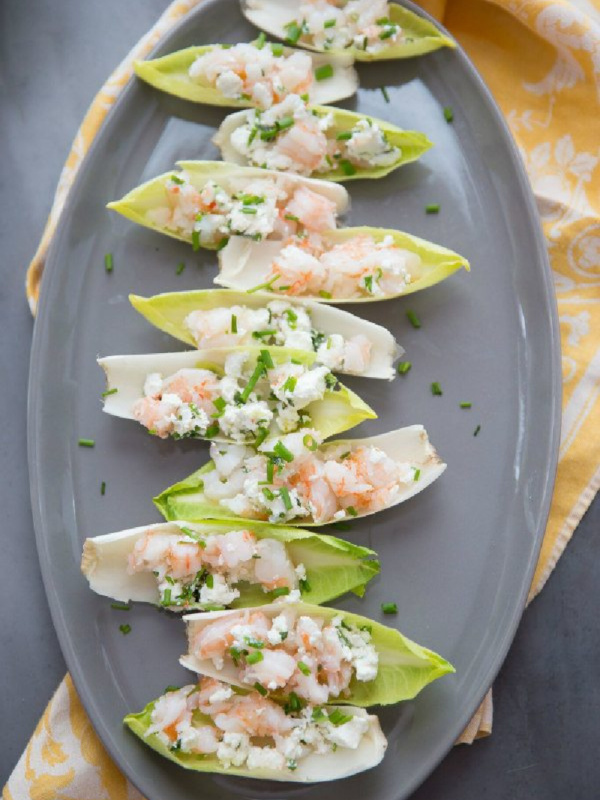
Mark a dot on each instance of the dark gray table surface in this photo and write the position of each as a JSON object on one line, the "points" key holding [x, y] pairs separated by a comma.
{"points": [[53, 57]]}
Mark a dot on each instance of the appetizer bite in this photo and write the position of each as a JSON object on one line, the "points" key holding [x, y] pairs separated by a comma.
{"points": [[345, 266], [240, 394], [208, 201], [370, 30], [186, 566], [294, 479], [222, 318], [313, 653], [210, 727], [256, 74], [317, 141]]}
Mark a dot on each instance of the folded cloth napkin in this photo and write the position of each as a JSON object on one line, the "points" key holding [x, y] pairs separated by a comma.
{"points": [[541, 60]]}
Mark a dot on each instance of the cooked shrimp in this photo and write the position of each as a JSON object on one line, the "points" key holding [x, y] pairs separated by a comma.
{"points": [[273, 671], [273, 568], [315, 212]]}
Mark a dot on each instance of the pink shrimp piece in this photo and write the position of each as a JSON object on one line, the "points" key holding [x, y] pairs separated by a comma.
{"points": [[314, 211], [213, 639], [254, 715]]}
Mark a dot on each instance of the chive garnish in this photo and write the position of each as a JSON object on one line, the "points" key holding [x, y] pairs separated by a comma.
{"points": [[291, 217], [388, 33], [103, 488], [270, 471], [413, 319], [294, 32], [170, 689], [254, 658], [304, 668], [324, 72], [260, 689], [253, 380], [266, 359], [476, 431], [234, 323], [125, 629], [325, 295], [329, 23], [285, 496], [318, 714], [267, 285], [466, 405], [352, 511], [180, 267], [196, 240], [403, 367], [448, 114], [284, 123], [433, 208], [293, 703], [337, 717], [277, 49], [262, 334], [268, 494], [262, 435], [248, 210], [281, 450], [87, 443], [416, 475], [108, 392], [281, 592], [212, 430], [222, 243], [389, 608], [344, 136], [385, 94], [290, 384], [436, 389], [176, 179], [260, 42], [121, 606], [347, 168], [310, 442], [108, 262]]}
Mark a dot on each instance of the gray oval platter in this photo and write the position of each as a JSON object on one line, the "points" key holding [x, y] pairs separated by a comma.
{"points": [[457, 559]]}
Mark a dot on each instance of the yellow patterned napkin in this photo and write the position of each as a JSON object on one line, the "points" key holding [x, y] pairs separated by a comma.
{"points": [[541, 60]]}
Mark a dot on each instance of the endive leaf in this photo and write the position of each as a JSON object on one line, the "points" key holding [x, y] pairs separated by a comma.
{"points": [[168, 312], [244, 264], [171, 74], [336, 412], [404, 666], [333, 566], [311, 769], [152, 195], [411, 144], [186, 500], [421, 36]]}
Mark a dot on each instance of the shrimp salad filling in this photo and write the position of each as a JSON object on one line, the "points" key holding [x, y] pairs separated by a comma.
{"points": [[294, 654], [212, 719], [253, 395], [291, 137], [293, 478], [259, 73], [278, 324], [358, 267], [193, 570], [337, 25], [259, 209]]}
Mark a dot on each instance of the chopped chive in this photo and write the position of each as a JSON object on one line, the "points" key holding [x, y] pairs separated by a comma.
{"points": [[433, 208], [476, 431], [210, 581], [337, 717], [222, 243], [277, 49], [86, 443], [110, 391], [267, 285], [352, 511], [310, 442], [448, 114], [253, 380], [387, 34], [166, 597], [268, 494], [403, 367], [325, 295], [170, 689], [329, 23], [252, 136], [234, 323], [220, 404], [262, 334], [284, 123], [270, 471], [260, 42], [281, 450], [389, 608], [281, 592], [180, 267], [413, 319], [294, 703], [318, 714], [121, 606], [416, 475], [347, 168], [290, 384], [108, 262], [176, 179], [304, 586], [260, 689], [103, 488], [344, 136], [291, 217], [436, 389], [466, 405], [252, 199], [294, 32], [285, 496], [324, 72], [196, 240], [385, 94], [304, 668], [125, 629], [262, 435], [248, 210], [266, 359], [212, 430], [304, 97], [254, 658], [365, 42]]}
